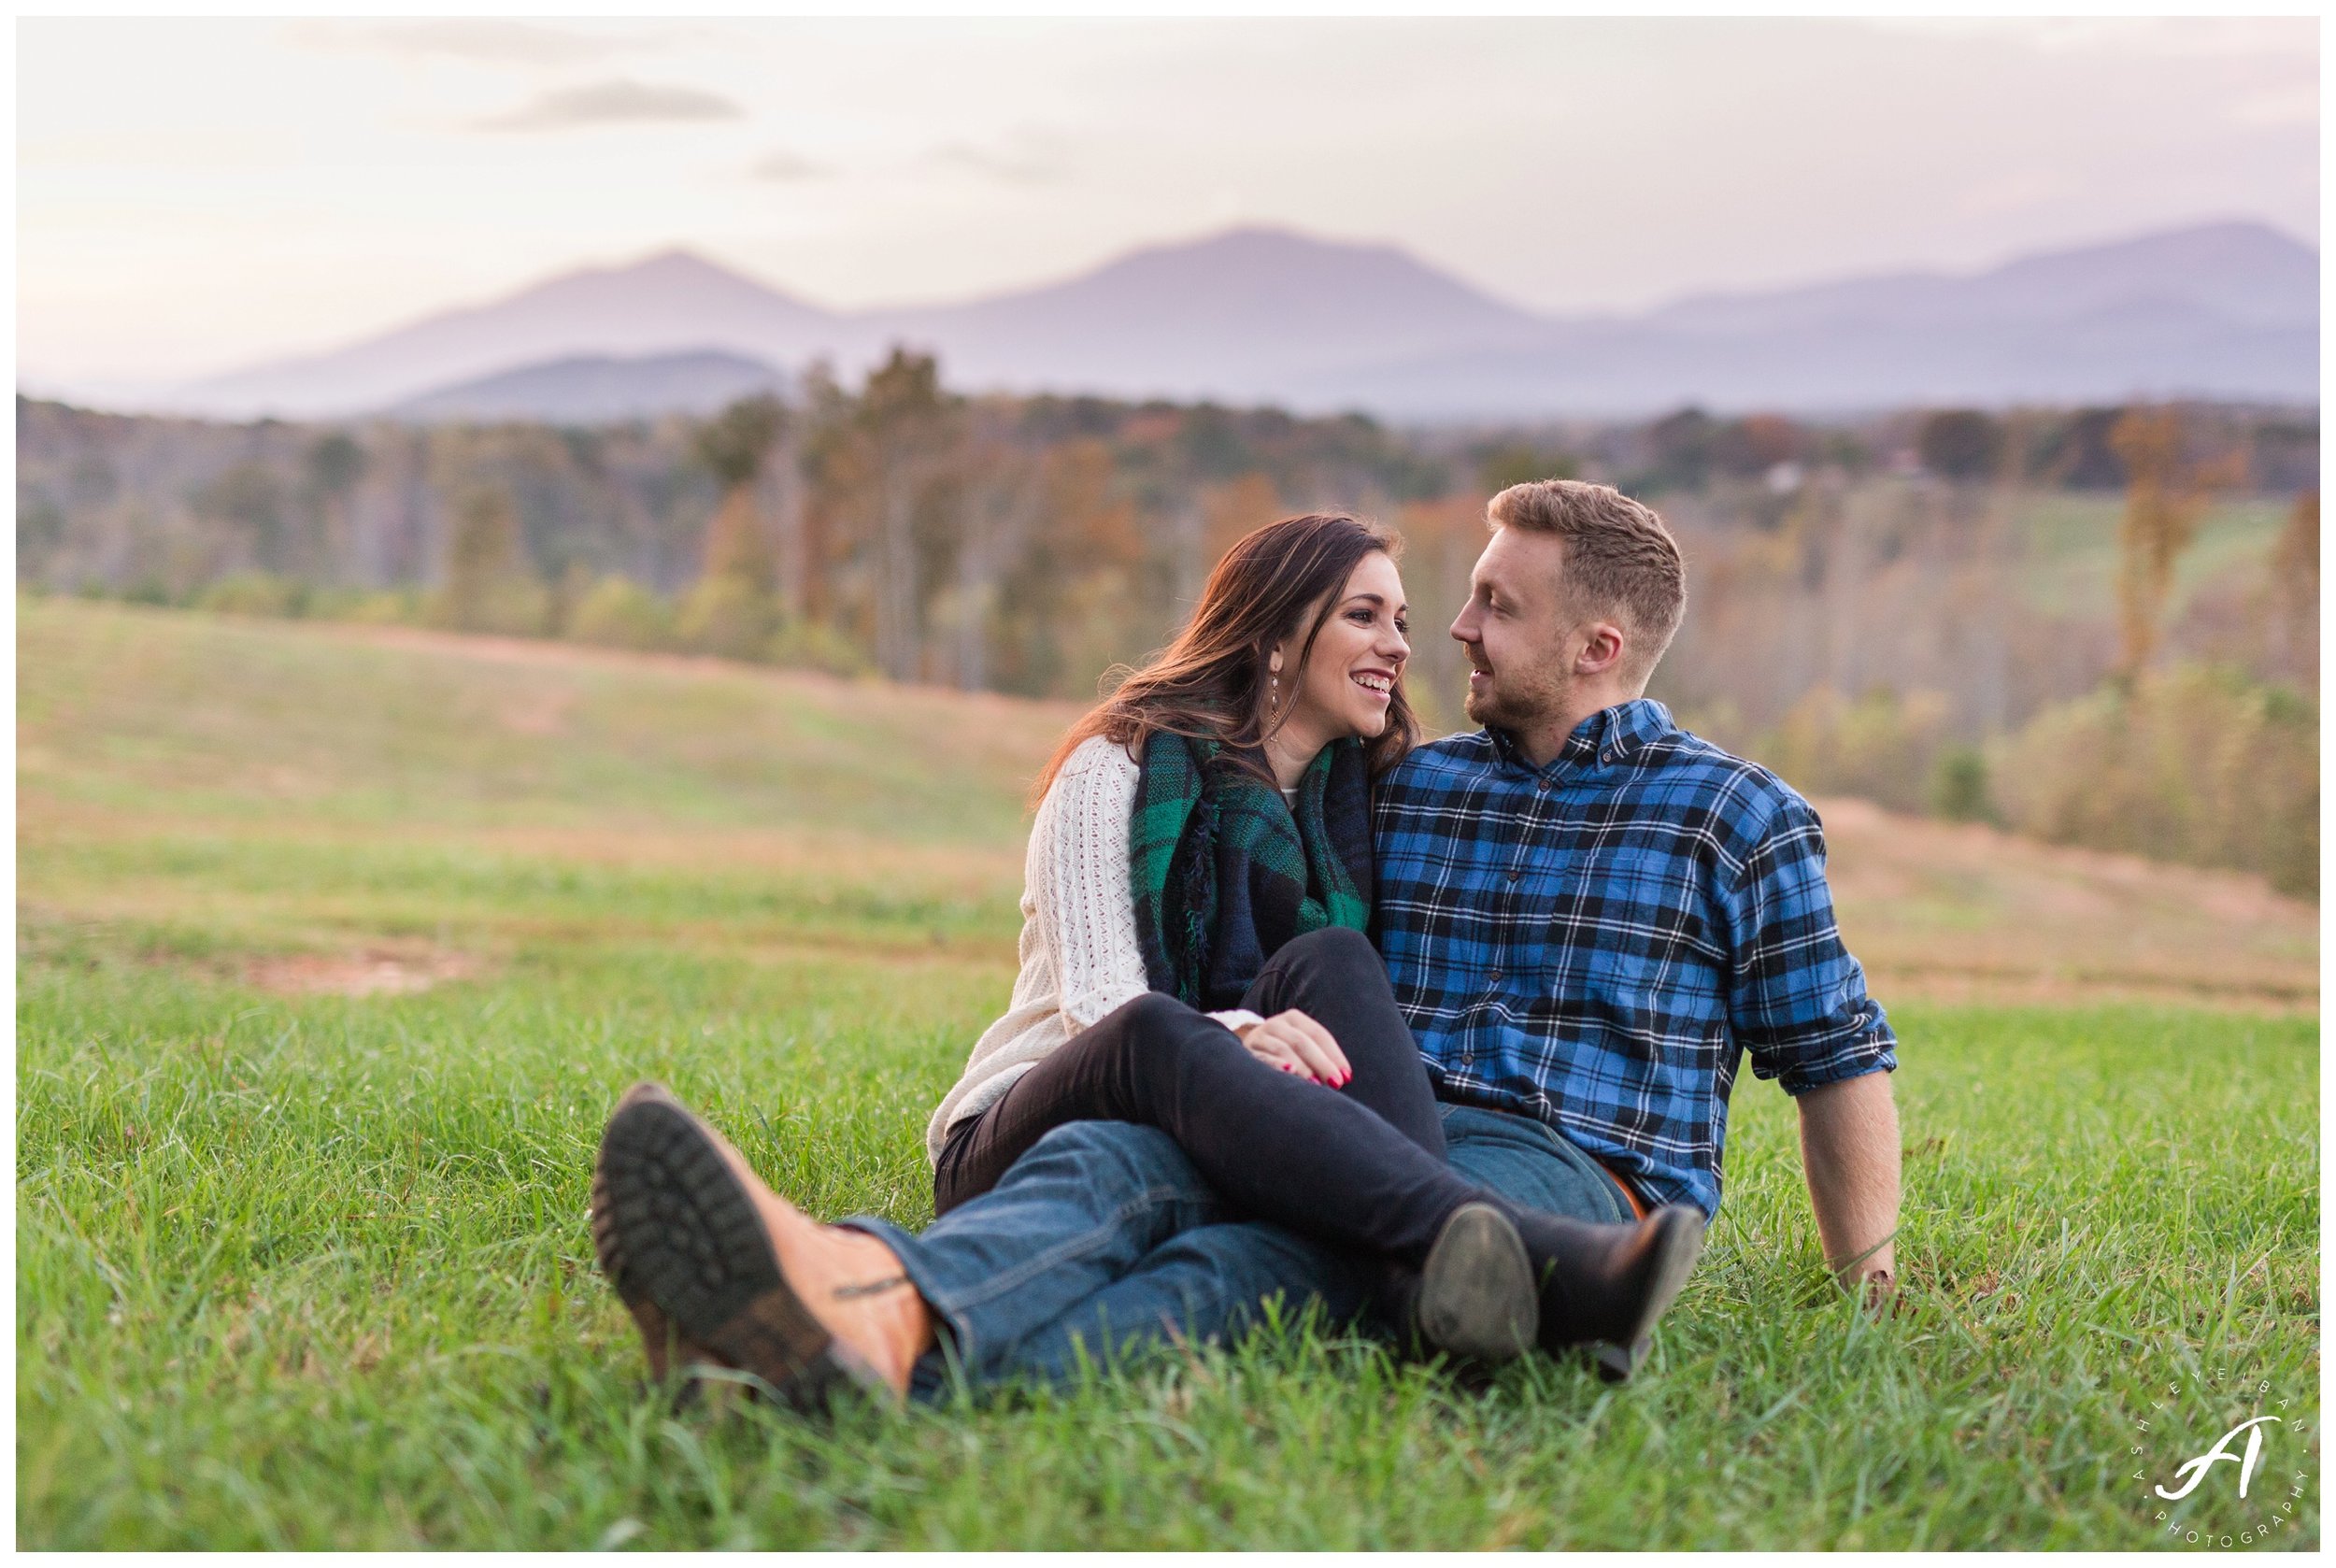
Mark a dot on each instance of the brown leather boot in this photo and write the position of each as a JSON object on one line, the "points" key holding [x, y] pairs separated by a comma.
{"points": [[811, 1309], [668, 1348]]}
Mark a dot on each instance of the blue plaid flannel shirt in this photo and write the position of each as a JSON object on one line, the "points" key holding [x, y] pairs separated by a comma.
{"points": [[1590, 943]]}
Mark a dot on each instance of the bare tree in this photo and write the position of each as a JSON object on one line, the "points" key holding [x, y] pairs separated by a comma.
{"points": [[903, 419]]}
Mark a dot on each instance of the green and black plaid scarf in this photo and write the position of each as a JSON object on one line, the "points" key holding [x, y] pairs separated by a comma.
{"points": [[1223, 876]]}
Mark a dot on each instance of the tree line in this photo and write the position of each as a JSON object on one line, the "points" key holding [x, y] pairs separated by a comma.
{"points": [[1016, 545], [1882, 606]]}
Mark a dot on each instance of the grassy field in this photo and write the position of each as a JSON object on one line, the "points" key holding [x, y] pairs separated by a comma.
{"points": [[2069, 548], [335, 947]]}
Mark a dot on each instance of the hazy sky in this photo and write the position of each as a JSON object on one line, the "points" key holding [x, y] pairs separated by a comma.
{"points": [[193, 195]]}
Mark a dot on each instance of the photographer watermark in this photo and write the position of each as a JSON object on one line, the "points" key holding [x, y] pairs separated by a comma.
{"points": [[2263, 1449]]}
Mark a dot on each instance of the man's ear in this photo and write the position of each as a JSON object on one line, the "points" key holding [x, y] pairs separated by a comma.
{"points": [[1603, 650]]}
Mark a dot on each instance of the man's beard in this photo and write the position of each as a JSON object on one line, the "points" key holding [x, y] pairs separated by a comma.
{"points": [[1502, 706]]}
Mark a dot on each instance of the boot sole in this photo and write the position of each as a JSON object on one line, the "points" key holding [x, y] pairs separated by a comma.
{"points": [[689, 1238], [1675, 1252], [1476, 1295], [669, 1352]]}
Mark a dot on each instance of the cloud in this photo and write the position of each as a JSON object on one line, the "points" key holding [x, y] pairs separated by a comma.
{"points": [[1033, 163], [607, 102], [784, 167], [494, 42], [2108, 38]]}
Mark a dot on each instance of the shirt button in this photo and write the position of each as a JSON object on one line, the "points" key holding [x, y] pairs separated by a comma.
{"points": [[1494, 977], [1606, 756], [1515, 875]]}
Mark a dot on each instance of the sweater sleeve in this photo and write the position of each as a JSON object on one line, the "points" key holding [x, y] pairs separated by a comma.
{"points": [[1080, 874]]}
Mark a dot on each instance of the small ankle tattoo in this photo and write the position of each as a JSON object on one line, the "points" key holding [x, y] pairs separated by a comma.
{"points": [[874, 1287]]}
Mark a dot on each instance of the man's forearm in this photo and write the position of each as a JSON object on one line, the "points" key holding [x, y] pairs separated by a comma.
{"points": [[1850, 1150]]}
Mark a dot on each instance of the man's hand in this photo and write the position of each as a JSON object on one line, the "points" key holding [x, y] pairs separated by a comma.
{"points": [[1849, 1151], [1294, 1043]]}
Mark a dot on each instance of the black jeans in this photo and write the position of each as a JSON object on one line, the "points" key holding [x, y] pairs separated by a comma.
{"points": [[1360, 1166]]}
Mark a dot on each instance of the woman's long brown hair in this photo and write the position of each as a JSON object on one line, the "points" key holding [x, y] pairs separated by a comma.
{"points": [[1208, 683]]}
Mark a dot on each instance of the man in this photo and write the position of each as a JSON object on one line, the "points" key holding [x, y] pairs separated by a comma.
{"points": [[1588, 914]]}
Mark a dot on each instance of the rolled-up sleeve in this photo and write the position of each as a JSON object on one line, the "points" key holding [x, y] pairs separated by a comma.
{"points": [[1797, 999]]}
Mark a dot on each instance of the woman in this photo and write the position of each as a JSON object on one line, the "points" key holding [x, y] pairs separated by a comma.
{"points": [[1159, 888], [1193, 958]]}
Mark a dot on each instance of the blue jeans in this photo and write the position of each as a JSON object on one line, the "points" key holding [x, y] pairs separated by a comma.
{"points": [[1528, 1163], [1102, 1239]]}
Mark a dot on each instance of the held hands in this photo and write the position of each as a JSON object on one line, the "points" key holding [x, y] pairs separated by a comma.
{"points": [[1294, 1043]]}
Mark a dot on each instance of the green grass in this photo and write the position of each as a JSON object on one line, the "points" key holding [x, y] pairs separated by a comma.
{"points": [[314, 1271]]}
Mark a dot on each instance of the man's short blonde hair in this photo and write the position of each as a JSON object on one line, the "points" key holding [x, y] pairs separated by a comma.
{"points": [[1619, 558]]}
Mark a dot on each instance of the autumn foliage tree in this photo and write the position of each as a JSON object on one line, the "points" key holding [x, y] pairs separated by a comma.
{"points": [[2295, 590], [2166, 492], [485, 586], [730, 610], [734, 447]]}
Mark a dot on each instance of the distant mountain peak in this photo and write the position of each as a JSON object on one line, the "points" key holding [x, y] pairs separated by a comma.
{"points": [[1268, 240], [2213, 236], [670, 270], [677, 262], [1261, 245]]}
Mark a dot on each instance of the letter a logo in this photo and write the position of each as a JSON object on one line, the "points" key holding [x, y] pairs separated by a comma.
{"points": [[2196, 1469]]}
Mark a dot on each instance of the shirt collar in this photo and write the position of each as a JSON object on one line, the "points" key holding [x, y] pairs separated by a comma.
{"points": [[1610, 736]]}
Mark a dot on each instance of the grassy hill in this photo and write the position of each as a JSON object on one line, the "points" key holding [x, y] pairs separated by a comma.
{"points": [[336, 791], [2069, 561], [335, 946]]}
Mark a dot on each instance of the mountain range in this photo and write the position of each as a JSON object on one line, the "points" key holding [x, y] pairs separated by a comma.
{"points": [[598, 388], [2226, 310]]}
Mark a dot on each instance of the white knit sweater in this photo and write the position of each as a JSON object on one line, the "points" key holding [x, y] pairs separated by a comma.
{"points": [[1080, 955]]}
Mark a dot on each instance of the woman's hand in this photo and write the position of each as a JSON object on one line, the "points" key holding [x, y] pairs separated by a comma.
{"points": [[1294, 1043]]}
